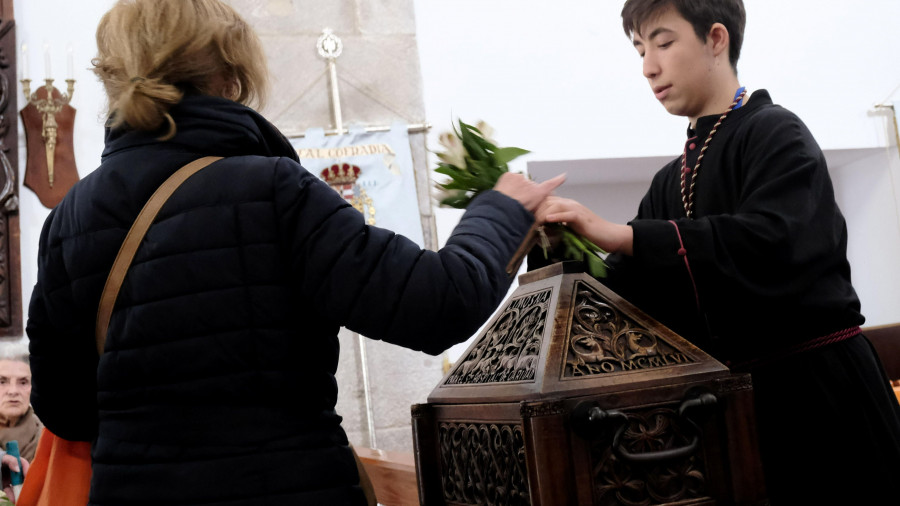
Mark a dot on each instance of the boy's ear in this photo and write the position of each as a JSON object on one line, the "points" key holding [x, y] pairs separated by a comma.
{"points": [[719, 37]]}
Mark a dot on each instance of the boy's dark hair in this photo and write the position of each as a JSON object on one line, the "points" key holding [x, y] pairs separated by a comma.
{"points": [[701, 14]]}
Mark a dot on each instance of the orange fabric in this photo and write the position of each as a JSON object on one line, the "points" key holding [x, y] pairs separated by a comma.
{"points": [[60, 474]]}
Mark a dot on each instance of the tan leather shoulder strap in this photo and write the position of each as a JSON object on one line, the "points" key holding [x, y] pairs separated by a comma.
{"points": [[133, 240]]}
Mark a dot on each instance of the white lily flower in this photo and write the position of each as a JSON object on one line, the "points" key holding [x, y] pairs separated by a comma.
{"points": [[440, 193], [454, 152], [487, 131]]}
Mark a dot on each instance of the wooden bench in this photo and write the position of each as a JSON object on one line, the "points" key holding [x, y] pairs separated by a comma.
{"points": [[886, 341], [393, 476]]}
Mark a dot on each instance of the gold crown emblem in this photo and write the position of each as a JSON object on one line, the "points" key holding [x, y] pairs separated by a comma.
{"points": [[341, 174]]}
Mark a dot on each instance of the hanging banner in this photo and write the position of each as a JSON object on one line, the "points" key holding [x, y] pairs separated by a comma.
{"points": [[373, 171]]}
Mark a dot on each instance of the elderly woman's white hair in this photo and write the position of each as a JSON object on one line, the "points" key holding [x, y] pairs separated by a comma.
{"points": [[14, 350]]}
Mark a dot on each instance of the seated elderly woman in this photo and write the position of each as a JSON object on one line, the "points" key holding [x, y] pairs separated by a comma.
{"points": [[17, 419]]}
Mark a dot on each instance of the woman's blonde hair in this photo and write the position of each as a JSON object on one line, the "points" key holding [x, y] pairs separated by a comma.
{"points": [[150, 52]]}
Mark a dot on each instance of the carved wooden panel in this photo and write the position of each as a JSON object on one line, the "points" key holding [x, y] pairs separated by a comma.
{"points": [[483, 464], [508, 351], [10, 283], [617, 482], [603, 340]]}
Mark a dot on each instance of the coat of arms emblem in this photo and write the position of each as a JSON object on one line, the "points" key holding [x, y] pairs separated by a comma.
{"points": [[343, 178]]}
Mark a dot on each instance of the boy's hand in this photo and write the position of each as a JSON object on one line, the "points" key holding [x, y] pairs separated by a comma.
{"points": [[612, 237]]}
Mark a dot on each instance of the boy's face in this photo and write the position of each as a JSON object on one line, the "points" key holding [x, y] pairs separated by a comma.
{"points": [[677, 64]]}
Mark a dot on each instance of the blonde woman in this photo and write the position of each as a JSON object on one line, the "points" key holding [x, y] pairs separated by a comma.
{"points": [[217, 383]]}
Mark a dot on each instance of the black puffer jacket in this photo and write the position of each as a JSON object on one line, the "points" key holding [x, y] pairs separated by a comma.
{"points": [[217, 386]]}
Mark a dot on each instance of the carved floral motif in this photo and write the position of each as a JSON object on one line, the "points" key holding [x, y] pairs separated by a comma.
{"points": [[9, 202], [508, 350], [602, 340], [617, 482], [483, 464]]}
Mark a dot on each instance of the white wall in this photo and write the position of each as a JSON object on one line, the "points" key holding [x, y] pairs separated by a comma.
{"points": [[867, 189], [560, 78]]}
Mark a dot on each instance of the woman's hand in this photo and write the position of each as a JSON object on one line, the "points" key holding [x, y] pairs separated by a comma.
{"points": [[528, 193], [13, 464], [611, 237]]}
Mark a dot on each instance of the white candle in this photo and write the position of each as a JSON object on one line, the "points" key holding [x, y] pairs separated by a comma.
{"points": [[47, 73], [70, 71], [24, 65]]}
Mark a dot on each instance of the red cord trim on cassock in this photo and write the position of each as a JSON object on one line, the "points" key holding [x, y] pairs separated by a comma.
{"points": [[683, 253], [818, 342]]}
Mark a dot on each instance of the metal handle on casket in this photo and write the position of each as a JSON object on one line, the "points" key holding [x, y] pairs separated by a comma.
{"points": [[598, 418]]}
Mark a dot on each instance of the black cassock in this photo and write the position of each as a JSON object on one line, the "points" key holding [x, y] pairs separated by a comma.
{"points": [[766, 251]]}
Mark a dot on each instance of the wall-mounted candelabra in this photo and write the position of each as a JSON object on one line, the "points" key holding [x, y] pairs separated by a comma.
{"points": [[49, 106], [49, 121]]}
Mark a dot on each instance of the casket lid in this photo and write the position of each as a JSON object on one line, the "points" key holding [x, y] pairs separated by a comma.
{"points": [[564, 334]]}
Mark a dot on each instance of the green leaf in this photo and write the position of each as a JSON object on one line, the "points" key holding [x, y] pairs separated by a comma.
{"points": [[596, 266], [473, 143], [447, 170], [453, 185], [463, 176], [484, 175], [577, 247], [593, 247], [493, 172], [502, 156], [457, 201], [571, 241]]}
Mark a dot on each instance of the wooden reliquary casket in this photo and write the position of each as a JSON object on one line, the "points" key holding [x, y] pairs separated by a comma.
{"points": [[572, 396]]}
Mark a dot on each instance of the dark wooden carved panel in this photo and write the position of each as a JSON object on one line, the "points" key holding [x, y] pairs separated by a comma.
{"points": [[10, 283], [603, 340], [509, 350], [617, 482], [483, 464]]}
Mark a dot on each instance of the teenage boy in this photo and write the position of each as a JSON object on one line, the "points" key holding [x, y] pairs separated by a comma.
{"points": [[740, 247]]}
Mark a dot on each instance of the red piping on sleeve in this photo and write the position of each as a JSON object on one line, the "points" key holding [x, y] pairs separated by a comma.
{"points": [[683, 253]]}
